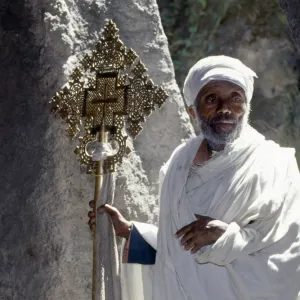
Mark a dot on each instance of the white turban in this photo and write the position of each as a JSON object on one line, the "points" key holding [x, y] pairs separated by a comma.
{"points": [[218, 68]]}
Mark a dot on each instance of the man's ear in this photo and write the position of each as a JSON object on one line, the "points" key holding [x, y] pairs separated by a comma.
{"points": [[191, 111]]}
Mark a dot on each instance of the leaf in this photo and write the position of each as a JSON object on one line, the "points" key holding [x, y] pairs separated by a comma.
{"points": [[282, 18], [188, 43], [203, 3], [185, 53], [193, 29]]}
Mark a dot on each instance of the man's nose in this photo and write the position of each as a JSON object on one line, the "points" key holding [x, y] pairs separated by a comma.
{"points": [[224, 109]]}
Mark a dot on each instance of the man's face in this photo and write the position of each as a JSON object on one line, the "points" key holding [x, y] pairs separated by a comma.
{"points": [[221, 107]]}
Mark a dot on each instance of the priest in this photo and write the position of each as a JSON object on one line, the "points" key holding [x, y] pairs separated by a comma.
{"points": [[229, 224]]}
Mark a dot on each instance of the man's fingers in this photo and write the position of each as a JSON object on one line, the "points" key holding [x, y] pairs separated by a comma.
{"points": [[189, 244], [186, 237], [92, 221], [112, 211], [199, 243], [183, 230], [104, 208], [91, 214], [195, 249], [93, 227]]}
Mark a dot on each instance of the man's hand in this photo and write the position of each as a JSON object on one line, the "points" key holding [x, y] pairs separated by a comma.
{"points": [[205, 231], [121, 225]]}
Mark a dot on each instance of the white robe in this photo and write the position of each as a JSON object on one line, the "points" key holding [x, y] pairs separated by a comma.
{"points": [[251, 180]]}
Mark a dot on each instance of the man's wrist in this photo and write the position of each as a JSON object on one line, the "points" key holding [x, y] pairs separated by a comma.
{"points": [[128, 232], [219, 228]]}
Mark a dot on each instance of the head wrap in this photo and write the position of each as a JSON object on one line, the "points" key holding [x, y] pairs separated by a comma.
{"points": [[218, 68]]}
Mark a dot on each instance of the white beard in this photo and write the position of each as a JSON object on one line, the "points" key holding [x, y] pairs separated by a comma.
{"points": [[218, 141]]}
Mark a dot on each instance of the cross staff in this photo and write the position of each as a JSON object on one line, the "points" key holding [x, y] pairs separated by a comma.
{"points": [[118, 95]]}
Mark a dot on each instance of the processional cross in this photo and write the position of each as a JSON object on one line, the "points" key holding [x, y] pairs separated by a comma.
{"points": [[107, 93]]}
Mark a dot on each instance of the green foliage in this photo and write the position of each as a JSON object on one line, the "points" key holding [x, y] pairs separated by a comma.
{"points": [[190, 26], [196, 28]]}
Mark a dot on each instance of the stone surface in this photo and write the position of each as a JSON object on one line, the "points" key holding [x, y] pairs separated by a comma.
{"points": [[46, 245], [292, 8]]}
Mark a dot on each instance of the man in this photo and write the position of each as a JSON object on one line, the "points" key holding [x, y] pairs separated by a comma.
{"points": [[229, 225]]}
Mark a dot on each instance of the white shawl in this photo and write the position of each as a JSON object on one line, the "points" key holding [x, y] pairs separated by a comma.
{"points": [[251, 180]]}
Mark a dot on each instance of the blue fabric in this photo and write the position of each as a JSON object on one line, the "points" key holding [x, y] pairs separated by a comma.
{"points": [[140, 252]]}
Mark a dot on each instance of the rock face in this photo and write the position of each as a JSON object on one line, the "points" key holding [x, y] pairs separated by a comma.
{"points": [[46, 245], [291, 9]]}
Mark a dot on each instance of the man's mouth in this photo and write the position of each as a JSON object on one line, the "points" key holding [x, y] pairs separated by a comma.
{"points": [[224, 126], [231, 122]]}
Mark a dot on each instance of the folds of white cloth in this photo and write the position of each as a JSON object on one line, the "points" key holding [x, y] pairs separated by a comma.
{"points": [[254, 186], [137, 279]]}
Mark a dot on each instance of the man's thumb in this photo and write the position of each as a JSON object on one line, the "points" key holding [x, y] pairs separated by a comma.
{"points": [[108, 209]]}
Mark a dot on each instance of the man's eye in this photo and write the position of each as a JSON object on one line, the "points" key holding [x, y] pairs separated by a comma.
{"points": [[236, 99], [211, 99]]}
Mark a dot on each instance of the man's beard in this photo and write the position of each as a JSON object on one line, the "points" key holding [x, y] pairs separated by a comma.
{"points": [[219, 140]]}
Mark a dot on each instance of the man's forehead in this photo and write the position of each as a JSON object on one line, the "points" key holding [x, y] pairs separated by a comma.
{"points": [[217, 84]]}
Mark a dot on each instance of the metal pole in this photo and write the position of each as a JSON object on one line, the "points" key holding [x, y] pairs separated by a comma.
{"points": [[101, 137]]}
